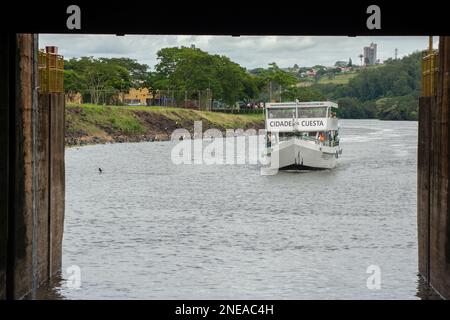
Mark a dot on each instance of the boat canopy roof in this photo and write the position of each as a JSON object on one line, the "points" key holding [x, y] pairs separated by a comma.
{"points": [[311, 104]]}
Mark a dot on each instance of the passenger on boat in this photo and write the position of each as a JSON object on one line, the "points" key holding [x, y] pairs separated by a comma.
{"points": [[321, 138]]}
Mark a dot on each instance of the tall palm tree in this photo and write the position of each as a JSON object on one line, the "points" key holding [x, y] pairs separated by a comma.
{"points": [[361, 56]]}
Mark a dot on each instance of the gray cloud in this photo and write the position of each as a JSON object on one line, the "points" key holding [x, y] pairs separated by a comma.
{"points": [[249, 51]]}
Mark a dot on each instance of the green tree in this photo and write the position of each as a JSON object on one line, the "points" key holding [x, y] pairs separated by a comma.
{"points": [[276, 76], [302, 94], [99, 77], [192, 69], [389, 91], [349, 108]]}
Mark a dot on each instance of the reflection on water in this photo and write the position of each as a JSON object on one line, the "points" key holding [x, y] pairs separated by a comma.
{"points": [[147, 228]]}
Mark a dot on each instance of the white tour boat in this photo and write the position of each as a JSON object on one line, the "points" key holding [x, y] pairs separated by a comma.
{"points": [[302, 135]]}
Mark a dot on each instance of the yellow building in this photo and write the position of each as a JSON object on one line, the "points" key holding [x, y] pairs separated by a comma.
{"points": [[73, 97], [137, 97]]}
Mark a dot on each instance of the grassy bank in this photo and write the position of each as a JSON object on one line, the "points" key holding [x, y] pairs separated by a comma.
{"points": [[88, 124], [343, 78]]}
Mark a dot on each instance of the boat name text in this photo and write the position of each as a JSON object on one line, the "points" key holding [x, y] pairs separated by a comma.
{"points": [[289, 123]]}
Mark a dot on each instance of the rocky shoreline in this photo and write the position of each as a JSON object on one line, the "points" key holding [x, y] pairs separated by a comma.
{"points": [[154, 127], [82, 139]]}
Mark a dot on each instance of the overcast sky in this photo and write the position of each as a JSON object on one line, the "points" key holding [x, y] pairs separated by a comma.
{"points": [[248, 51]]}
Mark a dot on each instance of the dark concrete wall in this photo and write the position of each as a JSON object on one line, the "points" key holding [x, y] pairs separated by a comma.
{"points": [[22, 235], [433, 180], [4, 155], [42, 192], [31, 223], [57, 181], [50, 191], [426, 104]]}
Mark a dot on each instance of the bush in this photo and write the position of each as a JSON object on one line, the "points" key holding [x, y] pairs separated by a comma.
{"points": [[397, 108]]}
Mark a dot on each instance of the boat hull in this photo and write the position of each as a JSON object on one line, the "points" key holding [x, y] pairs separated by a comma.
{"points": [[300, 154]]}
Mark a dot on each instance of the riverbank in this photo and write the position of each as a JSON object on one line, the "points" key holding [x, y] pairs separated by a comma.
{"points": [[93, 124]]}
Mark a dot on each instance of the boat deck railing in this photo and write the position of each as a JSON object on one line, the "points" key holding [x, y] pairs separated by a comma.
{"points": [[313, 139]]}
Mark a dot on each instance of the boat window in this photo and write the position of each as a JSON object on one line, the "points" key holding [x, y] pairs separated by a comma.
{"points": [[281, 113], [312, 112], [333, 113]]}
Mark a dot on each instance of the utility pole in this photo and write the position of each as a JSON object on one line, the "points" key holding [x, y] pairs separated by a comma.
{"points": [[209, 96], [208, 99], [166, 100], [270, 91]]}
